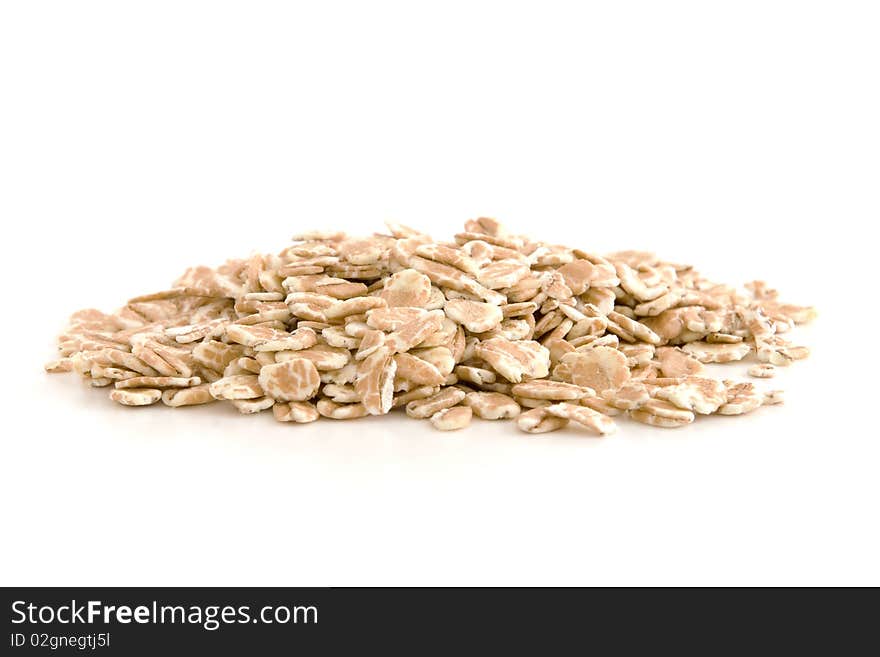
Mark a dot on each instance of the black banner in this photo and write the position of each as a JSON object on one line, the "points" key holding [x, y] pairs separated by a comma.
{"points": [[151, 621]]}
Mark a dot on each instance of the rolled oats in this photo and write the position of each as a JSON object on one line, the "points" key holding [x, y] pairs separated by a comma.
{"points": [[158, 382], [515, 361], [538, 420], [421, 392], [531, 402], [762, 371], [452, 419], [662, 414], [356, 306], [200, 394], [418, 371], [237, 386], [502, 273], [475, 316], [440, 357], [425, 408], [375, 381], [628, 397], [323, 356], [476, 375], [413, 332], [695, 393], [599, 405], [407, 288], [741, 398], [299, 412], [292, 380], [136, 397], [599, 368], [336, 411], [447, 329], [584, 416], [674, 362], [555, 390], [492, 405], [250, 406], [718, 352]]}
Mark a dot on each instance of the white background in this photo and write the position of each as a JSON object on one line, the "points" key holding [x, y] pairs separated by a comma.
{"points": [[139, 138]]}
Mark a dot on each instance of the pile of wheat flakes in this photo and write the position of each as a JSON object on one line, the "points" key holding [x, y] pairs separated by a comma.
{"points": [[491, 324]]}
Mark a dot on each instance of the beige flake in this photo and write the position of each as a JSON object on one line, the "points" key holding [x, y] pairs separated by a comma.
{"points": [[251, 365], [291, 380], [370, 341], [392, 319], [136, 397], [299, 412], [695, 393], [531, 402], [723, 338], [674, 362], [375, 381], [577, 275], [492, 405], [250, 406], [341, 394], [456, 257], [452, 419], [302, 338], [515, 361], [158, 382], [407, 288], [216, 355], [176, 397], [425, 408], [538, 420], [741, 398], [658, 305], [114, 373], [555, 390], [599, 405], [361, 251], [584, 416], [662, 414], [628, 397], [475, 316], [420, 392], [237, 386], [502, 273], [599, 368], [717, 352], [638, 354], [323, 356], [336, 336], [58, 366], [518, 309], [336, 411], [125, 360], [354, 306], [414, 332], [476, 375], [440, 357], [762, 371], [339, 288], [632, 283]]}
